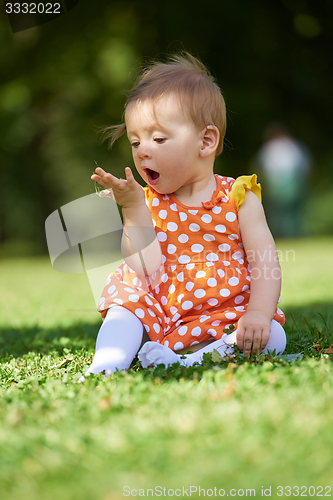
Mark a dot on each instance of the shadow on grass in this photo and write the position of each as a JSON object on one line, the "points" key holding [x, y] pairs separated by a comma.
{"points": [[17, 342], [303, 326]]}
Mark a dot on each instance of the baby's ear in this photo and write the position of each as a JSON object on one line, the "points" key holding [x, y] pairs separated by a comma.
{"points": [[210, 140]]}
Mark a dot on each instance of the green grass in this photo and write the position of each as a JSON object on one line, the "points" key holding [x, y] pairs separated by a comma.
{"points": [[256, 423]]}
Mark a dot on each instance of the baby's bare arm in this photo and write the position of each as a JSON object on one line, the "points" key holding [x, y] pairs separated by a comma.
{"points": [[254, 327], [140, 246]]}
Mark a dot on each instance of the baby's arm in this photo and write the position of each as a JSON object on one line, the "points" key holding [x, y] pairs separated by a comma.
{"points": [[254, 326], [130, 196]]}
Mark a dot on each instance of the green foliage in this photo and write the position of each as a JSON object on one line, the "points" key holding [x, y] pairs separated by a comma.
{"points": [[242, 422]]}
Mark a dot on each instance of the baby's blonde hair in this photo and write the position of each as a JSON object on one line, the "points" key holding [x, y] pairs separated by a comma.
{"points": [[185, 77]]}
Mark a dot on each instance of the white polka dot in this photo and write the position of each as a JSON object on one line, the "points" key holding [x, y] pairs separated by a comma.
{"points": [[156, 202], [212, 332], [163, 259], [239, 308], [118, 301], [147, 299], [112, 289], [137, 281], [179, 322], [182, 216], [237, 255], [212, 257], [221, 273], [216, 210], [230, 315], [158, 307], [226, 262], [180, 276], [193, 212], [233, 281], [127, 289], [165, 197], [233, 236], [239, 299], [183, 238], [166, 343], [224, 292], [180, 297], [146, 327], [176, 317], [189, 285], [195, 342], [178, 346], [197, 308], [114, 294], [230, 216], [151, 312], [173, 268], [245, 288], [172, 288], [209, 264], [163, 214], [197, 248], [173, 207], [199, 293], [156, 327], [140, 313], [190, 266], [171, 248], [164, 278], [196, 331], [224, 247], [133, 297], [187, 305], [182, 330], [184, 259], [173, 309], [164, 301], [208, 237], [212, 302], [203, 318], [101, 303], [172, 226], [220, 228], [211, 282], [194, 227], [217, 322], [206, 218], [161, 236], [200, 274]]}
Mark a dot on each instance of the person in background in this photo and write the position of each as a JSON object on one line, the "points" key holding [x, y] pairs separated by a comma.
{"points": [[283, 165]]}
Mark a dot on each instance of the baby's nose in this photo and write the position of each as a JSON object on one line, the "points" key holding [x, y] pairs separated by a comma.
{"points": [[144, 152]]}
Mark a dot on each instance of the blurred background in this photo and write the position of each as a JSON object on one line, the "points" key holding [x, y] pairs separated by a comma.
{"points": [[63, 80]]}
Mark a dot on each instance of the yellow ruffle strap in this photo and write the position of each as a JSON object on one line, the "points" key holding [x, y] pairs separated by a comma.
{"points": [[242, 183]]}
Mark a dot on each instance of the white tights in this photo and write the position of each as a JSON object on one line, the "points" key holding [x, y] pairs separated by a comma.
{"points": [[120, 338]]}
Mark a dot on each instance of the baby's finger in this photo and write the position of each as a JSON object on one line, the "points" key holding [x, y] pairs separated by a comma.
{"points": [[256, 343]]}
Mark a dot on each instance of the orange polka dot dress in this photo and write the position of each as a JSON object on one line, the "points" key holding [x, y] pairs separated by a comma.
{"points": [[205, 282]]}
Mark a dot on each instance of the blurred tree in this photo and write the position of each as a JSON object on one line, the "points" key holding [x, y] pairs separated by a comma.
{"points": [[62, 80]]}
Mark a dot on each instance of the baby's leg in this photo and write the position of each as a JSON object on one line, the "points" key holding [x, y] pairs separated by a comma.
{"points": [[118, 341], [155, 354]]}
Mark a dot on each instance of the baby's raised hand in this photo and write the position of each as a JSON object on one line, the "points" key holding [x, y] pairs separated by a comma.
{"points": [[253, 331], [127, 192]]}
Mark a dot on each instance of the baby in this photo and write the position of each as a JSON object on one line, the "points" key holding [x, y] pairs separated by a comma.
{"points": [[199, 256]]}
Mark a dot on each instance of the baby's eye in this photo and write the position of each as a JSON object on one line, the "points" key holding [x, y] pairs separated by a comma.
{"points": [[160, 140], [135, 144]]}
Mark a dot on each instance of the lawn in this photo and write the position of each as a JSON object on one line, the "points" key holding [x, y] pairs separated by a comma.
{"points": [[258, 427]]}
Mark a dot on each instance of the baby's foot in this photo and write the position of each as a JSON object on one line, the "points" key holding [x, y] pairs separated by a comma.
{"points": [[155, 354]]}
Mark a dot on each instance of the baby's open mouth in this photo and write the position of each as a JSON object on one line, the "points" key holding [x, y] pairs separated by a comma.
{"points": [[152, 175]]}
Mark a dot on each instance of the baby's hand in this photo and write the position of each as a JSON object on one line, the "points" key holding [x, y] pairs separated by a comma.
{"points": [[253, 331], [127, 192]]}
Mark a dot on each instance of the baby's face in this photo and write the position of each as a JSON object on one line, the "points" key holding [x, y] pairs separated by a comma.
{"points": [[165, 144]]}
